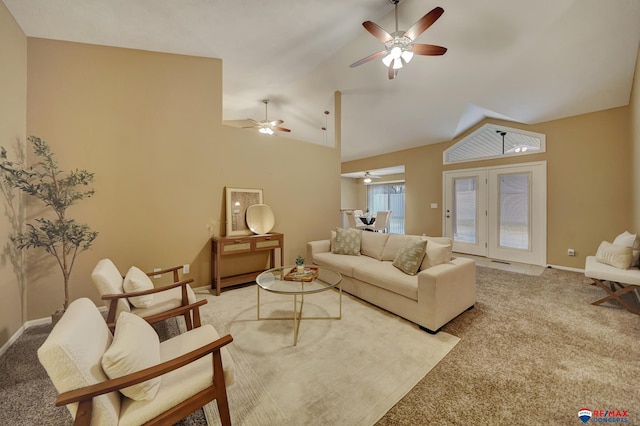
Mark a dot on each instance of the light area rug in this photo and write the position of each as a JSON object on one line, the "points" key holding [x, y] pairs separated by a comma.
{"points": [[348, 372]]}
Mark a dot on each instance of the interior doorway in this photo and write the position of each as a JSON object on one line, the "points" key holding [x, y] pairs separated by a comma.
{"points": [[498, 212]]}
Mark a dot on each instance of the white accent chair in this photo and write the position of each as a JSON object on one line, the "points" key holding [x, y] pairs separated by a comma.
{"points": [[382, 221], [168, 301], [194, 369]]}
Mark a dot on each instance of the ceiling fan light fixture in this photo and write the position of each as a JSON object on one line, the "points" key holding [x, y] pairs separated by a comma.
{"points": [[266, 130], [407, 55], [396, 52], [397, 63], [387, 60], [367, 180]]}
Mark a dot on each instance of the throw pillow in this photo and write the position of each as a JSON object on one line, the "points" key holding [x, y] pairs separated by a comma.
{"points": [[627, 239], [436, 254], [614, 255], [135, 346], [137, 280], [347, 241], [410, 256]]}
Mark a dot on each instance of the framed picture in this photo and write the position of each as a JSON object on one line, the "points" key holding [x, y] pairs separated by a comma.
{"points": [[238, 200]]}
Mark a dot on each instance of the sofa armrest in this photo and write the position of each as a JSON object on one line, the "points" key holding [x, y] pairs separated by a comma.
{"points": [[314, 247], [447, 290]]}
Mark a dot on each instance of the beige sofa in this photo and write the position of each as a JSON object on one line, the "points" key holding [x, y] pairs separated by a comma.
{"points": [[431, 298]]}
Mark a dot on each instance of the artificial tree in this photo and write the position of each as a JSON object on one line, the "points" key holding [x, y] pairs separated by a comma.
{"points": [[61, 237]]}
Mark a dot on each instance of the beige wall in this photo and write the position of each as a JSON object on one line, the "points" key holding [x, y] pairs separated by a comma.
{"points": [[149, 126], [634, 112], [588, 181], [349, 194], [13, 125]]}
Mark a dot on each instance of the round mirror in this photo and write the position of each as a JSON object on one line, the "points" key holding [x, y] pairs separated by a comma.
{"points": [[260, 218]]}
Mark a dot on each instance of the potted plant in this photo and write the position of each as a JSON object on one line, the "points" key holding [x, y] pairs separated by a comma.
{"points": [[300, 264], [59, 236]]}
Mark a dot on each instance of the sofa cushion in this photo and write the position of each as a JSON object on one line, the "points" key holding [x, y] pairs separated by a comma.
{"points": [[384, 275], [135, 346], [410, 256], [436, 254], [393, 245], [343, 264], [617, 256], [372, 244], [137, 280], [347, 241], [440, 240]]}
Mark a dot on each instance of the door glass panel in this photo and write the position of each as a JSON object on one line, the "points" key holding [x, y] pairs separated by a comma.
{"points": [[514, 227], [465, 206]]}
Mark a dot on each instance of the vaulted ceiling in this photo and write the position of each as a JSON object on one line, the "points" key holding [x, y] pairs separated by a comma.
{"points": [[524, 61]]}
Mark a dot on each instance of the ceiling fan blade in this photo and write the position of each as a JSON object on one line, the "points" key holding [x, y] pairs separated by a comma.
{"points": [[428, 49], [368, 58], [281, 129], [276, 123], [249, 127], [423, 23], [377, 31], [392, 73]]}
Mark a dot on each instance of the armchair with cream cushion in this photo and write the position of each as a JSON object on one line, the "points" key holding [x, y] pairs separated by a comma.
{"points": [[135, 293], [130, 377]]}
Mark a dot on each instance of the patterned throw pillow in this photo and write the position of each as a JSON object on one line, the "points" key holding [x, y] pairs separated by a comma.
{"points": [[347, 241], [410, 256]]}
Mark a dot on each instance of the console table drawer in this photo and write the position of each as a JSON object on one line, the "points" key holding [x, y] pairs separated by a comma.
{"points": [[237, 246], [223, 249], [267, 244]]}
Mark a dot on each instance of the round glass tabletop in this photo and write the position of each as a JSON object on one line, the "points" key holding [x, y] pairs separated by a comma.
{"points": [[285, 280]]}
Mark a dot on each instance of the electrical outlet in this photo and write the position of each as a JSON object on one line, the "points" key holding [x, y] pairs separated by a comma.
{"points": [[156, 270], [571, 252], [185, 268]]}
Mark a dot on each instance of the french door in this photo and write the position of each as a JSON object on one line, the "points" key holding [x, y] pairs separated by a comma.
{"points": [[498, 212]]}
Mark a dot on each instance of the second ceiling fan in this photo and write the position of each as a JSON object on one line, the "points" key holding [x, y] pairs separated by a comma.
{"points": [[265, 126], [399, 47]]}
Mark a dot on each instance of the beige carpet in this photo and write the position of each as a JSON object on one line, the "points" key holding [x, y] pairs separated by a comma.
{"points": [[533, 351], [349, 371]]}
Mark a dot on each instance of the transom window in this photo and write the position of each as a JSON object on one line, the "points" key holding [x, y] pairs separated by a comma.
{"points": [[493, 141]]}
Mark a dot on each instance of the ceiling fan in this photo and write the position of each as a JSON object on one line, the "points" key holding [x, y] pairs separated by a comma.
{"points": [[265, 126], [399, 47], [368, 176]]}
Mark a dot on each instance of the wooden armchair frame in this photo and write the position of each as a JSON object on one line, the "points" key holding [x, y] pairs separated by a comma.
{"points": [[218, 391], [188, 311]]}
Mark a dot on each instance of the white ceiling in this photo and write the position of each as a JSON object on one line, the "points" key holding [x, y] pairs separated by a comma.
{"points": [[376, 172], [524, 61]]}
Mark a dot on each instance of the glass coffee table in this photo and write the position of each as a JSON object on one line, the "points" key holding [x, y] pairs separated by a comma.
{"points": [[316, 279]]}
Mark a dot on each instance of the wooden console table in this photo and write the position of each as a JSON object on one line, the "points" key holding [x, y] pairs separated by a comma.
{"points": [[229, 246]]}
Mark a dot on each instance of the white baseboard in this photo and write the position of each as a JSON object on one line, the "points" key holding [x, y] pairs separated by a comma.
{"points": [[566, 268], [12, 340], [29, 324]]}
